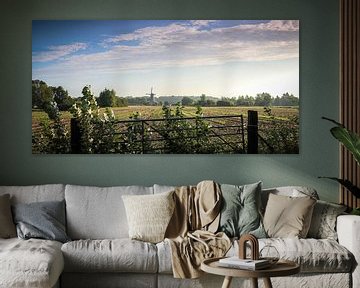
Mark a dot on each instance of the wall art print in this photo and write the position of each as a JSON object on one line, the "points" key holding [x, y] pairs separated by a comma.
{"points": [[165, 86]]}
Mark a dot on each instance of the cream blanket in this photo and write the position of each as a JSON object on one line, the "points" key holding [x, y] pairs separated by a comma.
{"points": [[191, 231]]}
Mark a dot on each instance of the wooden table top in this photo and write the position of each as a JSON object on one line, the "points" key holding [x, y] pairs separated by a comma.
{"points": [[281, 268]]}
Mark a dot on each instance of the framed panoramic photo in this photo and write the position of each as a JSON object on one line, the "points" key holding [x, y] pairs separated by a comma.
{"points": [[165, 86]]}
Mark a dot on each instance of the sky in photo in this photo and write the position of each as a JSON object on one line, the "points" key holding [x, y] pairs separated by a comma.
{"points": [[176, 57]]}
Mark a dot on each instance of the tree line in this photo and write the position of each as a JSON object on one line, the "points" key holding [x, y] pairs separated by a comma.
{"points": [[44, 97], [261, 99]]}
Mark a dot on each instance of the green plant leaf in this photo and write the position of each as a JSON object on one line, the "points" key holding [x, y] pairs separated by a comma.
{"points": [[355, 211], [347, 184], [349, 139]]}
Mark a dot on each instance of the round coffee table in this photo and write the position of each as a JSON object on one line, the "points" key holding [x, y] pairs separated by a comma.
{"points": [[281, 268]]}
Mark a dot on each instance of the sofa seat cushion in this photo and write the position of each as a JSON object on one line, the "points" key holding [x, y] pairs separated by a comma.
{"points": [[313, 255], [30, 263], [115, 255]]}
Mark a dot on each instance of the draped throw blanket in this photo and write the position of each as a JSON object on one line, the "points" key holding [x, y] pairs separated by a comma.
{"points": [[191, 231]]}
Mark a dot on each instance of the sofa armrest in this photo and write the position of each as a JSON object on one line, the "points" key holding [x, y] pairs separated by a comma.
{"points": [[348, 230]]}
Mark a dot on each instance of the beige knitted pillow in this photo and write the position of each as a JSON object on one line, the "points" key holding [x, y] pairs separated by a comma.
{"points": [[288, 217], [149, 215]]}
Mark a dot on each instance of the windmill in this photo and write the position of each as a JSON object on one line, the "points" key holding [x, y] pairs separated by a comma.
{"points": [[151, 94]]}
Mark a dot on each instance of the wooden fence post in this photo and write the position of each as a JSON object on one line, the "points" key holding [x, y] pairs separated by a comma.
{"points": [[75, 136], [252, 132]]}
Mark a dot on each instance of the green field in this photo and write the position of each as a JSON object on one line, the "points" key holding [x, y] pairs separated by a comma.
{"points": [[146, 112]]}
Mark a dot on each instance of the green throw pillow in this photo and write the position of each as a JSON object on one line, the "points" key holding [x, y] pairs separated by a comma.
{"points": [[240, 213]]}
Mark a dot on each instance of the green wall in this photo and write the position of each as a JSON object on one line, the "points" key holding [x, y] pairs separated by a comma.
{"points": [[318, 91]]}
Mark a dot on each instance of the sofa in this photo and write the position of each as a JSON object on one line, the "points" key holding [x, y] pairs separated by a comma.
{"points": [[99, 252]]}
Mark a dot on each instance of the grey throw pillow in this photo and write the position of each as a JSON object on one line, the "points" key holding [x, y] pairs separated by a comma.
{"points": [[240, 213], [44, 220], [7, 226], [323, 222]]}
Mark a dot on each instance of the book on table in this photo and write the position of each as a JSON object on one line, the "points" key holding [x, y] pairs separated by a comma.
{"points": [[249, 264]]}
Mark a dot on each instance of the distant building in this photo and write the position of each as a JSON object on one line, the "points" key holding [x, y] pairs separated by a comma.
{"points": [[152, 99]]}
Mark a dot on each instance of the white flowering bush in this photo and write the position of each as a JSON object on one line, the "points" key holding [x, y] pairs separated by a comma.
{"points": [[97, 134]]}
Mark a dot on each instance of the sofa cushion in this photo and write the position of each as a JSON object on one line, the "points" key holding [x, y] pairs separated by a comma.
{"points": [[149, 215], [43, 220], [164, 257], [7, 226], [323, 222], [287, 216], [163, 188], [240, 210], [98, 212], [313, 255], [116, 255], [35, 193], [30, 263]]}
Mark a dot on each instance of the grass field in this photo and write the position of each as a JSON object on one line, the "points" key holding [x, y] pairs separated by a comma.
{"points": [[146, 112]]}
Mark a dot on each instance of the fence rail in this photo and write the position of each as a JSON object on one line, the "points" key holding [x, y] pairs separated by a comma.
{"points": [[175, 135]]}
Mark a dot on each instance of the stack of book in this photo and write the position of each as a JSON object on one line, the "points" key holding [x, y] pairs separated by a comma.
{"points": [[248, 264]]}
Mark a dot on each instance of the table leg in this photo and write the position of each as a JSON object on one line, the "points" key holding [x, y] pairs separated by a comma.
{"points": [[267, 283], [254, 282], [227, 282]]}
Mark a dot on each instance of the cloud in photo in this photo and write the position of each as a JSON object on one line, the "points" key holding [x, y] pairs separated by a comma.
{"points": [[57, 52], [173, 45]]}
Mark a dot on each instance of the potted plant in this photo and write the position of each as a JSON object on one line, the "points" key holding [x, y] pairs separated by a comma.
{"points": [[351, 141]]}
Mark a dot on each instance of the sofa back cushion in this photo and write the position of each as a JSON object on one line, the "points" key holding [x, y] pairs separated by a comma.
{"points": [[98, 212], [163, 188], [34, 193]]}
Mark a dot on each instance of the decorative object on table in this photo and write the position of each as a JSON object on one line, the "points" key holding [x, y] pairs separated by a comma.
{"points": [[351, 142], [269, 253], [241, 261], [247, 264], [254, 246]]}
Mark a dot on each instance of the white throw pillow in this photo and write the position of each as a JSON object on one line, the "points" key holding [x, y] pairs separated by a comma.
{"points": [[149, 215]]}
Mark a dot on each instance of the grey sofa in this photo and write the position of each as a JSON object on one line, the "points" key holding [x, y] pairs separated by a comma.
{"points": [[101, 254]]}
